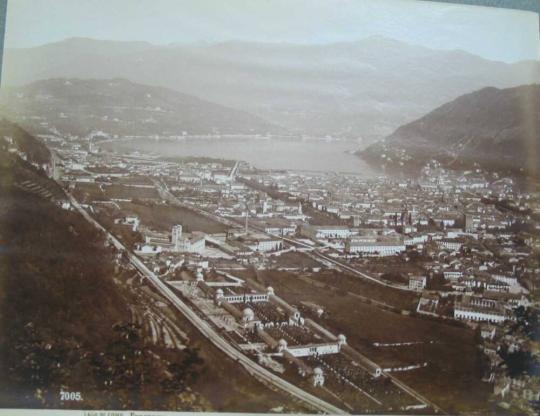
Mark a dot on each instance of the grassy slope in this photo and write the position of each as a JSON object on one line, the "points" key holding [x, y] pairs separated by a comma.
{"points": [[55, 290]]}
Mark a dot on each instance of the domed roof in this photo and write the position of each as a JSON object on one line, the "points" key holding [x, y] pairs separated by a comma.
{"points": [[282, 342], [270, 290], [318, 371], [342, 337], [248, 313], [219, 291]]}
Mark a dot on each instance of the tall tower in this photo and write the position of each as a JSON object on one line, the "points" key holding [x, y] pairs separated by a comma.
{"points": [[54, 170], [469, 224], [176, 237], [247, 219]]}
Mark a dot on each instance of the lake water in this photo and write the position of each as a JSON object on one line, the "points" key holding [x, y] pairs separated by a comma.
{"points": [[306, 155]]}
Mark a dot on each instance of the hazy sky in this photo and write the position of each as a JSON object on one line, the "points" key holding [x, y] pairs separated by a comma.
{"points": [[498, 34]]}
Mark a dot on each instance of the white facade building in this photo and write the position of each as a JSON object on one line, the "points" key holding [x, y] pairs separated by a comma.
{"points": [[452, 274], [326, 231], [471, 314], [191, 243], [375, 247], [417, 283], [313, 349], [265, 245], [243, 298], [479, 309], [450, 244]]}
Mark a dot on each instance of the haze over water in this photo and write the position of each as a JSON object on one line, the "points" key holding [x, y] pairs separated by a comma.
{"points": [[310, 155]]}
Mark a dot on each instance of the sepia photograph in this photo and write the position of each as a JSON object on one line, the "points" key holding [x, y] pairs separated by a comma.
{"points": [[269, 207]]}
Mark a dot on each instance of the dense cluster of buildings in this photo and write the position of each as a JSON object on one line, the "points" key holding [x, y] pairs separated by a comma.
{"points": [[471, 237]]}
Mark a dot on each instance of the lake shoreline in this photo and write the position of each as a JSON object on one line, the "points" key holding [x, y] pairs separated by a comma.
{"points": [[309, 155]]}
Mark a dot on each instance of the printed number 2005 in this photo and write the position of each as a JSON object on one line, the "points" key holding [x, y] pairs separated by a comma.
{"points": [[70, 396]]}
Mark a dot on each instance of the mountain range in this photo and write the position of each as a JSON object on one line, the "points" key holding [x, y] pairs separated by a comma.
{"points": [[363, 89], [121, 107], [496, 129]]}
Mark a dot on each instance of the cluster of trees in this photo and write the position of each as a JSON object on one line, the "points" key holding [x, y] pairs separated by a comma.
{"points": [[523, 361], [520, 362], [126, 374]]}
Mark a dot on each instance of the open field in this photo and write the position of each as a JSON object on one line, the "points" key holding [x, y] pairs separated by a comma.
{"points": [[88, 192], [452, 378], [294, 260], [134, 180], [345, 282], [100, 191], [129, 192], [393, 269], [163, 217]]}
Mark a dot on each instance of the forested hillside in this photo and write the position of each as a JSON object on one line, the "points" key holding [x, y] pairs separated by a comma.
{"points": [[64, 324], [496, 129]]}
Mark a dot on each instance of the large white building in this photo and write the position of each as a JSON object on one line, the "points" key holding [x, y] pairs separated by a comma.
{"points": [[190, 243], [452, 274], [375, 246], [314, 349], [309, 350], [326, 231], [509, 280], [242, 298], [176, 237], [279, 227], [450, 244], [194, 243], [416, 239], [479, 309], [262, 243], [417, 283]]}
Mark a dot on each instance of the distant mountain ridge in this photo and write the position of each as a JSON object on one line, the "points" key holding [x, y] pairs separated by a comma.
{"points": [[498, 129], [366, 88], [121, 107]]}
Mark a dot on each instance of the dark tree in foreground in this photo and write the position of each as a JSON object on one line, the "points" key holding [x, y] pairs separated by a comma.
{"points": [[136, 377], [183, 373]]}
